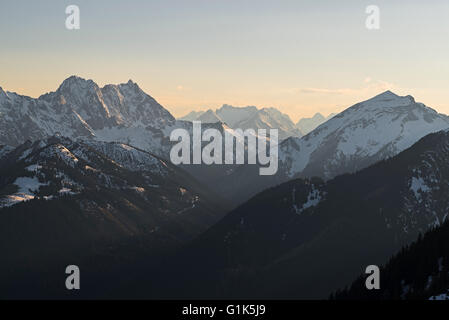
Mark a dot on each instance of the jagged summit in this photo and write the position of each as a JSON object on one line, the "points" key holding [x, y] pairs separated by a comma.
{"points": [[129, 83], [75, 81], [2, 93], [80, 108], [81, 83], [5, 94], [123, 88], [249, 117]]}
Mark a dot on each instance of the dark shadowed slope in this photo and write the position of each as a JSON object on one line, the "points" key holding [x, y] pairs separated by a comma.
{"points": [[98, 204], [305, 238], [418, 271]]}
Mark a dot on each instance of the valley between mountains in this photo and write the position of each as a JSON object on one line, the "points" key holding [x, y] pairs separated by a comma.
{"points": [[86, 179]]}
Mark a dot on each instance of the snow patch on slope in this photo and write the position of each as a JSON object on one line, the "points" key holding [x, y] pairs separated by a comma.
{"points": [[417, 186], [26, 191]]}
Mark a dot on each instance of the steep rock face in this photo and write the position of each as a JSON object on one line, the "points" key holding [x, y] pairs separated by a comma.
{"points": [[113, 105], [81, 109]]}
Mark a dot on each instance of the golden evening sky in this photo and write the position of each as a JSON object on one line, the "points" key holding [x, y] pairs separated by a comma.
{"points": [[301, 57]]}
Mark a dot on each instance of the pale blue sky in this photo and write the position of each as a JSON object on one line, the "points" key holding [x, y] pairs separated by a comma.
{"points": [[299, 56]]}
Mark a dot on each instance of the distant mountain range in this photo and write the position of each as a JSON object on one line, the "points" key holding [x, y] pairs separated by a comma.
{"points": [[361, 135], [306, 125], [251, 117], [248, 118], [84, 174]]}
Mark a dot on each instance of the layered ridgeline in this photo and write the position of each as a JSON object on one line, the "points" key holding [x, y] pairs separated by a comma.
{"points": [[359, 136], [80, 110], [307, 237], [63, 202], [248, 118]]}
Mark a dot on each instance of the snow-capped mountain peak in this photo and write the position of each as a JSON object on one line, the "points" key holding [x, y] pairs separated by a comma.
{"points": [[233, 115], [386, 95], [79, 108], [248, 118], [363, 134], [388, 99], [74, 83]]}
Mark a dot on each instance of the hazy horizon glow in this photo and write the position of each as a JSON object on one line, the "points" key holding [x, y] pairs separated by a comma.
{"points": [[301, 57]]}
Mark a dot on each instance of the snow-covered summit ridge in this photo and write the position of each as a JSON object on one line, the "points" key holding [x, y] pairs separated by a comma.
{"points": [[388, 99], [249, 117], [76, 83], [79, 108], [367, 132]]}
